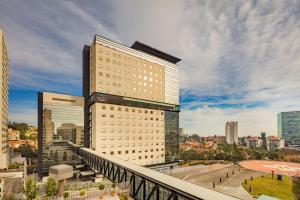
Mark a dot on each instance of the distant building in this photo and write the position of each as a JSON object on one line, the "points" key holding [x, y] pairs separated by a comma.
{"points": [[263, 137], [13, 134], [32, 129], [231, 132], [274, 143], [288, 124], [60, 125], [4, 102], [254, 142], [181, 131]]}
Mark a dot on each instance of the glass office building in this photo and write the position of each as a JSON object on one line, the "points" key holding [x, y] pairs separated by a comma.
{"points": [[60, 128], [289, 126]]}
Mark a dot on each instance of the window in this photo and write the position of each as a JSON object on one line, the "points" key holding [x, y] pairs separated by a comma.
{"points": [[119, 152], [126, 152], [103, 107], [119, 109], [133, 151], [111, 108], [111, 153]]}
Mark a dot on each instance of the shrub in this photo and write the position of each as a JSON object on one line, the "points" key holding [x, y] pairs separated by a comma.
{"points": [[82, 192], [51, 187], [101, 187], [66, 195], [30, 188], [123, 196]]}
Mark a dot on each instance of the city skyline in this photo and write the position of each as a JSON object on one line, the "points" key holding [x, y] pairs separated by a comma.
{"points": [[239, 61]]}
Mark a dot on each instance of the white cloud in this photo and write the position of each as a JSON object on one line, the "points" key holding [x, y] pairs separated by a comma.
{"points": [[243, 48]]}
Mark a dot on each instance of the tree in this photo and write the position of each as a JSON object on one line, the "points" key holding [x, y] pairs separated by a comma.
{"points": [[30, 188], [101, 188], [27, 151], [51, 187]]}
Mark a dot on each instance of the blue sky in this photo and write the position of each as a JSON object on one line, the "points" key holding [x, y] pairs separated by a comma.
{"points": [[240, 59]]}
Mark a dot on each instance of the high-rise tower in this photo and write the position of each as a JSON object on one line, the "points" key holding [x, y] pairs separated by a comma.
{"points": [[4, 102], [288, 124], [231, 132], [132, 101]]}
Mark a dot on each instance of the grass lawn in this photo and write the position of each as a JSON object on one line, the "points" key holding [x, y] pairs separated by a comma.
{"points": [[271, 187]]}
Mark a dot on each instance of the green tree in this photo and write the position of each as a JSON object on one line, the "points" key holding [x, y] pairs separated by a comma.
{"points": [[51, 187], [30, 188], [27, 151]]}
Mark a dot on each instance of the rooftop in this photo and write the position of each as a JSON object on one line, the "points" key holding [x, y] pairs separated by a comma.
{"points": [[150, 50]]}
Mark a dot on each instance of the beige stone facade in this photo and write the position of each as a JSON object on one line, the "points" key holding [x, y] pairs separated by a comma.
{"points": [[135, 130], [4, 102], [133, 134], [118, 73]]}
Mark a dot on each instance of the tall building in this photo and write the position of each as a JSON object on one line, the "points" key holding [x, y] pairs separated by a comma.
{"points": [[132, 101], [263, 137], [60, 126], [231, 132], [4, 102], [288, 124]]}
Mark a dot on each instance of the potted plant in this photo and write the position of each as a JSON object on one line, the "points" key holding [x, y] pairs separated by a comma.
{"points": [[101, 188], [113, 185]]}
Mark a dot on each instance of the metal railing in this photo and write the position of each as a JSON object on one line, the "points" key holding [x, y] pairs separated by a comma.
{"points": [[144, 183]]}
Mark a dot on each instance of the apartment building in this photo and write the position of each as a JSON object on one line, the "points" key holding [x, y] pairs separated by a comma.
{"points": [[274, 143], [231, 132], [254, 142], [4, 102], [60, 127], [131, 101]]}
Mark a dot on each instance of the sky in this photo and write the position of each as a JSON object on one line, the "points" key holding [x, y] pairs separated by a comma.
{"points": [[240, 58]]}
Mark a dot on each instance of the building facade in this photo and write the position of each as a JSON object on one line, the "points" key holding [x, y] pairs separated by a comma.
{"points": [[274, 143], [254, 142], [4, 102], [288, 124], [132, 101], [13, 134], [60, 127], [231, 132]]}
